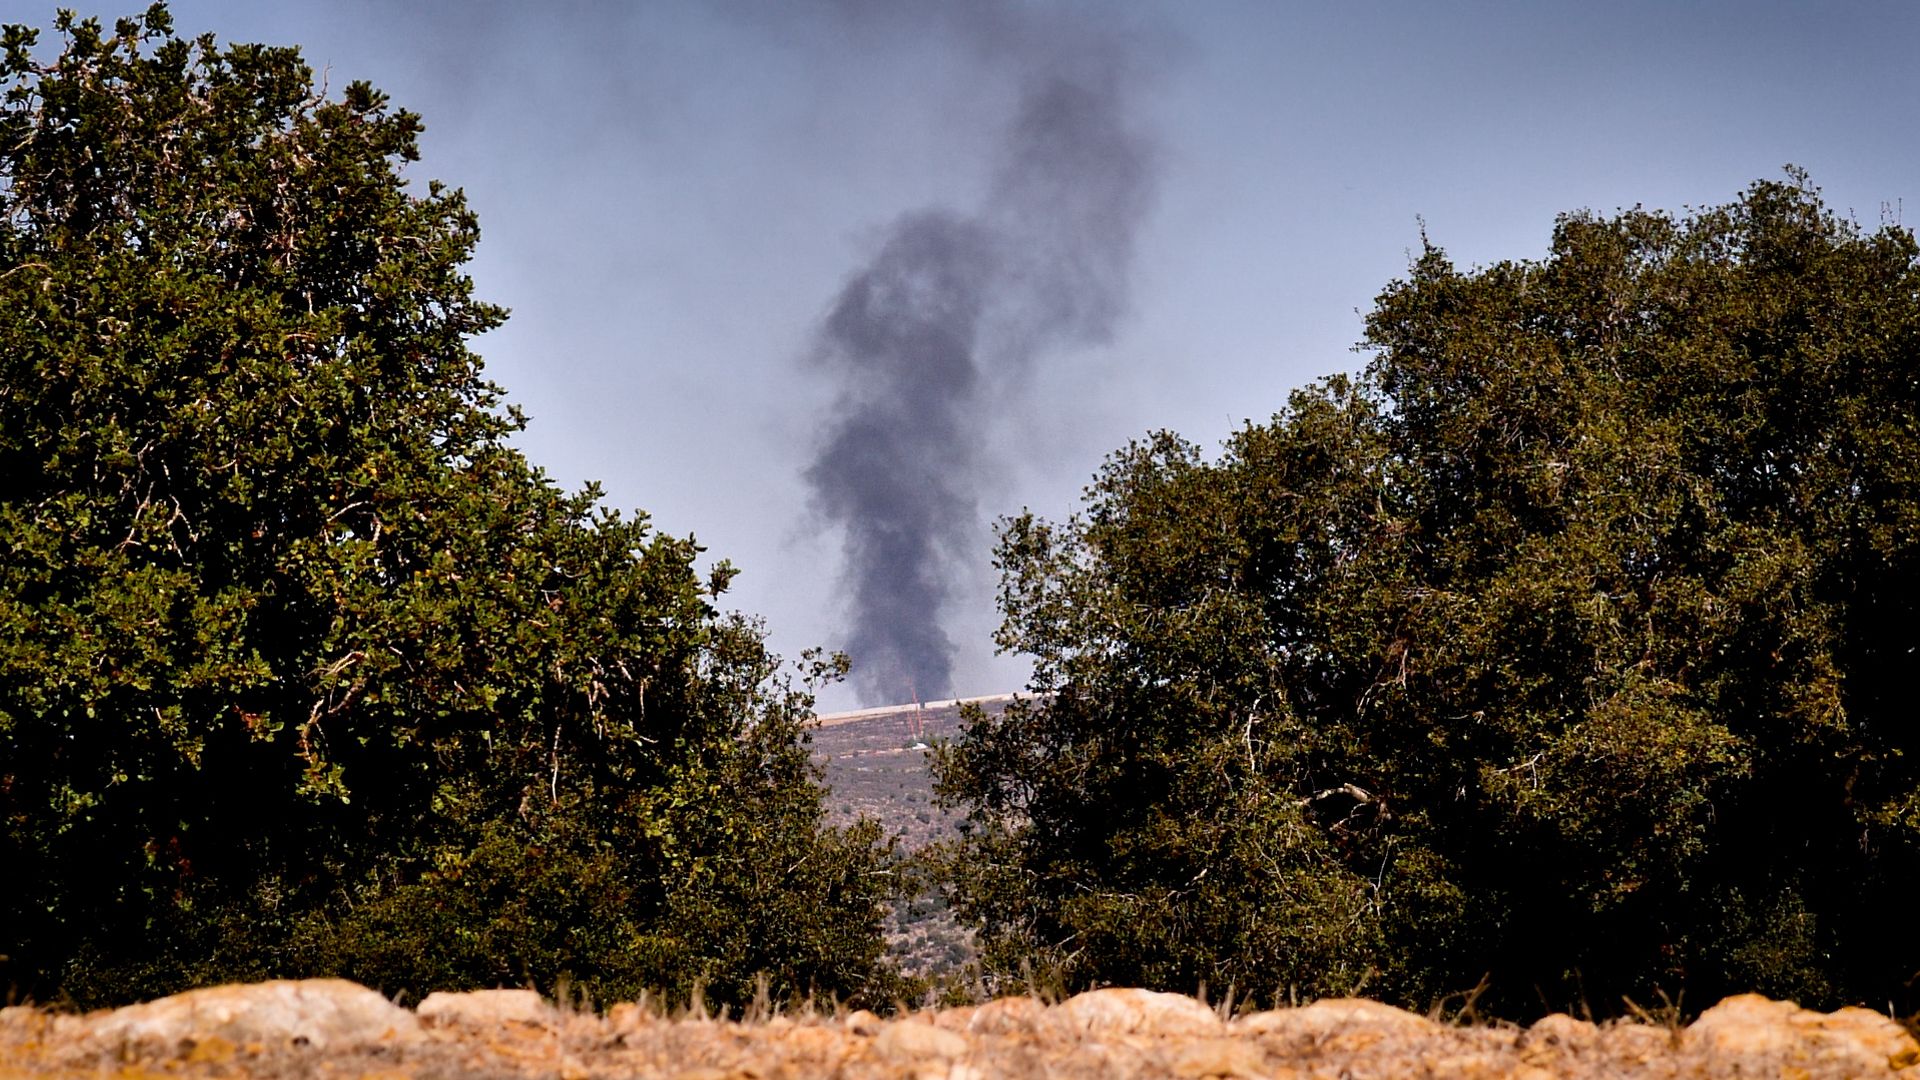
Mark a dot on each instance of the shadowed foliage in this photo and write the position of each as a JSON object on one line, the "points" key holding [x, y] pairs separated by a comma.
{"points": [[1570, 642], [302, 668]]}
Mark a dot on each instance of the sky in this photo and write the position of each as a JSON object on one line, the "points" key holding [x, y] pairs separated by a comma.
{"points": [[679, 199]]}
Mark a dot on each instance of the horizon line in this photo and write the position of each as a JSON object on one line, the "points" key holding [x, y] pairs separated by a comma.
{"points": [[851, 715]]}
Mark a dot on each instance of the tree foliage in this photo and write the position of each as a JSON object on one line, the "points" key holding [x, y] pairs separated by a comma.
{"points": [[1568, 643], [302, 666]]}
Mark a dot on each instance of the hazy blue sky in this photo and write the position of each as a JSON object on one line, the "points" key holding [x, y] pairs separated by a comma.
{"points": [[672, 196]]}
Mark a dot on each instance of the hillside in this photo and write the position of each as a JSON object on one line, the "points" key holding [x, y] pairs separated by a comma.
{"points": [[874, 763]]}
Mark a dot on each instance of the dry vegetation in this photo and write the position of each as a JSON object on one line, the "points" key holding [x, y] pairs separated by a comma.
{"points": [[330, 1028]]}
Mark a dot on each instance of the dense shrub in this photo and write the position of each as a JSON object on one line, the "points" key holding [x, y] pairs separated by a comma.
{"points": [[302, 667], [1570, 643]]}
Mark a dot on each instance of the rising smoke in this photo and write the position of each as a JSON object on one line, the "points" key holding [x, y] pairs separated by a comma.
{"points": [[953, 307]]}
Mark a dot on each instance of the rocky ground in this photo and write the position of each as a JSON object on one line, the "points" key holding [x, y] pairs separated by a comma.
{"points": [[323, 1029]]}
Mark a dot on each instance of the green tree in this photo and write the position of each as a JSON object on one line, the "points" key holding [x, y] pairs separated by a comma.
{"points": [[1568, 644], [302, 667]]}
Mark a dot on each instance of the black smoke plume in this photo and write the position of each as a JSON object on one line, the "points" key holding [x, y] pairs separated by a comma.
{"points": [[923, 337]]}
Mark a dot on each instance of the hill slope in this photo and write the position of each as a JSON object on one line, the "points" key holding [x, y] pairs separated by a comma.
{"points": [[874, 763]]}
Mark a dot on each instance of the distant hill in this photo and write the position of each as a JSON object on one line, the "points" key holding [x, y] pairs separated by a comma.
{"points": [[875, 765], [875, 761]]}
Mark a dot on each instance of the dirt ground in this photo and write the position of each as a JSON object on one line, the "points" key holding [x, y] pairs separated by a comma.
{"points": [[330, 1029]]}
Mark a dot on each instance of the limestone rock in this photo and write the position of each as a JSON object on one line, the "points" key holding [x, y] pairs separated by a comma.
{"points": [[1117, 1011], [1007, 1016], [28, 1022], [272, 1030], [323, 1013], [917, 1040], [1561, 1030], [24, 1018], [956, 1018], [1334, 1016], [486, 1007], [1878, 1035], [1746, 1024], [711, 1072], [628, 1016], [1780, 1032], [815, 1040], [1636, 1043], [1228, 1058]]}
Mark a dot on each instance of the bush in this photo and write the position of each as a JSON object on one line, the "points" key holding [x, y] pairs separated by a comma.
{"points": [[302, 668], [1568, 643]]}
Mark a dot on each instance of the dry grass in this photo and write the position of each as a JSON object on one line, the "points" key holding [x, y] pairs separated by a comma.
{"points": [[1353, 1040]]}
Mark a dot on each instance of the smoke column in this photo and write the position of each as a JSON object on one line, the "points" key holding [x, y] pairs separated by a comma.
{"points": [[921, 338]]}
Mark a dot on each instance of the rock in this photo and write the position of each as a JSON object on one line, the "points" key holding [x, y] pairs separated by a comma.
{"points": [[1234, 1059], [1751, 1027], [26, 1021], [1557, 1042], [1746, 1024], [486, 1007], [1876, 1034], [1334, 1016], [957, 1018], [323, 1013], [1469, 1064], [1636, 1043], [627, 1016], [711, 1072], [917, 1040], [270, 1030], [1561, 1030], [1007, 1016], [1117, 1011], [811, 1040]]}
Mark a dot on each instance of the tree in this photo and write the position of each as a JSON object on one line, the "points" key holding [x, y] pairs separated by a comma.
{"points": [[1565, 645], [302, 666]]}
